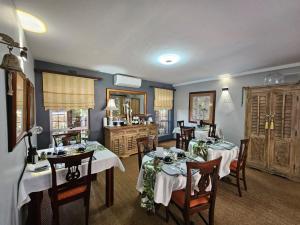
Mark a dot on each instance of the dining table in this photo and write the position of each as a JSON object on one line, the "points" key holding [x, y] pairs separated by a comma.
{"points": [[37, 177], [200, 133], [172, 177]]}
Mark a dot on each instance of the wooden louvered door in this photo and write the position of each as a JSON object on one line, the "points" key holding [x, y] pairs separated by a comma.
{"points": [[296, 141], [282, 134], [257, 111]]}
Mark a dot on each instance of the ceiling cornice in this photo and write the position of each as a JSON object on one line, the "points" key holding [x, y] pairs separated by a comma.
{"points": [[267, 69]]}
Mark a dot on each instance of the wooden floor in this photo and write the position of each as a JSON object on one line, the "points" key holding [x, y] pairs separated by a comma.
{"points": [[270, 200]]}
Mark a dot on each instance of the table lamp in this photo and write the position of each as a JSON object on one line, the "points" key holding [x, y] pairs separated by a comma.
{"points": [[111, 105], [32, 150]]}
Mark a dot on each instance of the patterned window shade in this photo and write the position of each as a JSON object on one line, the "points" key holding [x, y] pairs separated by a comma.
{"points": [[67, 92], [163, 99]]}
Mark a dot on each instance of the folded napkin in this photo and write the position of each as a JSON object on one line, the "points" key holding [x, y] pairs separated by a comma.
{"points": [[160, 152], [176, 150], [38, 166], [171, 170]]}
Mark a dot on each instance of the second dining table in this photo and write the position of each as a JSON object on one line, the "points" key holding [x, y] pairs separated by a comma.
{"points": [[172, 177], [33, 183]]}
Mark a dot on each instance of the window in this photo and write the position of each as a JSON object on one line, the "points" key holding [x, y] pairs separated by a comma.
{"points": [[162, 118], [63, 120]]}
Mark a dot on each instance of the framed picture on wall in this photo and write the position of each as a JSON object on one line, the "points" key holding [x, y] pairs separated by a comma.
{"points": [[202, 106], [30, 105], [16, 107]]}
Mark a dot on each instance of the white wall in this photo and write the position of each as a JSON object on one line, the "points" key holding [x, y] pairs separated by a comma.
{"points": [[11, 164], [229, 114]]}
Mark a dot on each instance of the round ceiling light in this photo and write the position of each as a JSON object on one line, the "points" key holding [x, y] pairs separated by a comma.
{"points": [[31, 23], [169, 59]]}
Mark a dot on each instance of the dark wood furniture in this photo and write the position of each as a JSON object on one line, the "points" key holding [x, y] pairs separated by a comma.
{"points": [[66, 138], [180, 123], [187, 134], [202, 200], [34, 206], [239, 165], [145, 145], [179, 140], [212, 128], [76, 187]]}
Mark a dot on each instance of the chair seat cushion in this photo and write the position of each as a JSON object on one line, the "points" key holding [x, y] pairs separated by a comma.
{"points": [[179, 198], [71, 192], [233, 165]]}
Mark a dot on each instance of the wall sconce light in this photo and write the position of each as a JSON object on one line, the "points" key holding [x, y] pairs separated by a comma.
{"points": [[225, 89], [10, 61], [225, 95]]}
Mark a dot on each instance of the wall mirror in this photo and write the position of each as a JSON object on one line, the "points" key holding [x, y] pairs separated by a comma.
{"points": [[30, 105], [16, 108], [137, 101]]}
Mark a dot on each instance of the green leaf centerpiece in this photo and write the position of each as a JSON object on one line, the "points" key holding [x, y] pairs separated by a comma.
{"points": [[201, 149]]}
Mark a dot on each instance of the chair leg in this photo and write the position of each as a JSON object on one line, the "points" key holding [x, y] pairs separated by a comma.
{"points": [[238, 183], [244, 179], [186, 217], [211, 218], [87, 210], [55, 215], [167, 214]]}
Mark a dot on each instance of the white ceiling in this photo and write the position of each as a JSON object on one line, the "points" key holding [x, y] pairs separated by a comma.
{"points": [[126, 36]]}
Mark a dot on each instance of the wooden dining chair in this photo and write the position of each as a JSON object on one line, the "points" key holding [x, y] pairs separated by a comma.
{"points": [[212, 128], [180, 123], [77, 185], [66, 138], [202, 199], [187, 134], [145, 145], [239, 165]]}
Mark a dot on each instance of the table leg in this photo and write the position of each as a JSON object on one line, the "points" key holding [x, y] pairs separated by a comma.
{"points": [[177, 140], [34, 209], [109, 187]]}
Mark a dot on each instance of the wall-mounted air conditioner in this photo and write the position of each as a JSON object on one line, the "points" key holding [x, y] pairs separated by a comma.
{"points": [[127, 81]]}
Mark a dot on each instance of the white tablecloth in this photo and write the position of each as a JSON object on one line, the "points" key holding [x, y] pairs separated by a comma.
{"points": [[164, 184], [40, 181], [227, 157], [199, 133]]}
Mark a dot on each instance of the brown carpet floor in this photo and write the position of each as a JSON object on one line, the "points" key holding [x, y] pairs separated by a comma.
{"points": [[270, 200]]}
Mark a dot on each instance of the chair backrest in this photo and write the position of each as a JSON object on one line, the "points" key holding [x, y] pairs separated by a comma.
{"points": [[242, 158], [180, 123], [66, 138], [73, 177], [145, 145], [188, 135], [209, 175], [212, 128], [184, 128]]}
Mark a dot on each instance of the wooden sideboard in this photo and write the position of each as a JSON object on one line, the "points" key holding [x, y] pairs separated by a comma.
{"points": [[122, 140]]}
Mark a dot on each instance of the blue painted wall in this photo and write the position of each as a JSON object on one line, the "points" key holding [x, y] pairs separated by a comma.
{"points": [[97, 114]]}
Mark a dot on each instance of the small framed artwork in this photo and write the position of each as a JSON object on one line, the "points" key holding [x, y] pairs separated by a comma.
{"points": [[202, 106], [16, 102], [30, 105]]}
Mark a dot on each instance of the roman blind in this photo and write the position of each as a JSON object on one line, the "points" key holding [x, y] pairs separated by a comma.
{"points": [[67, 92], [163, 99]]}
